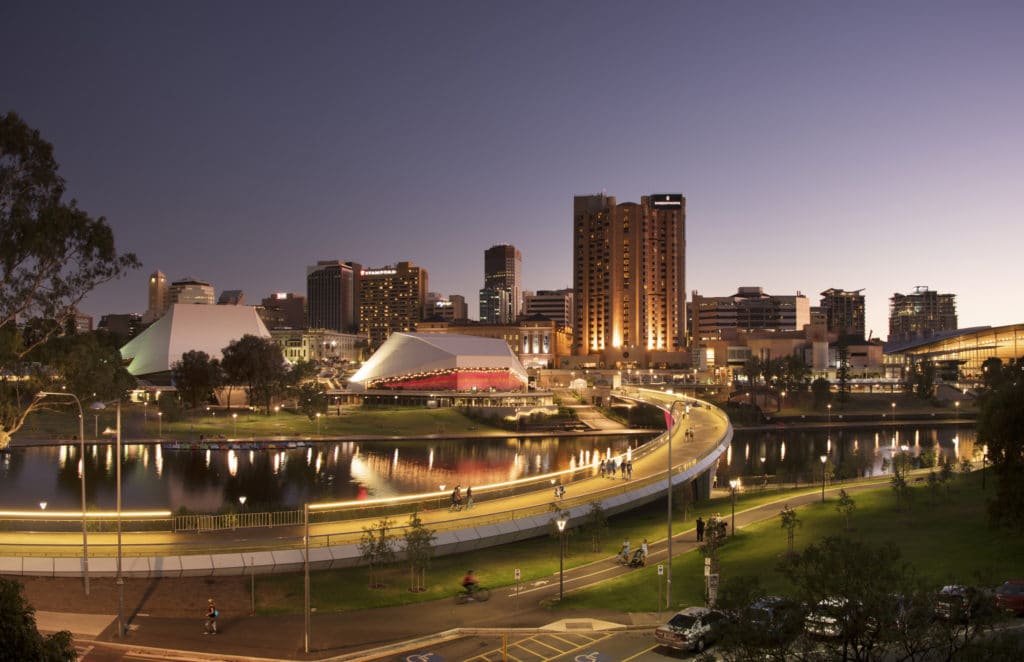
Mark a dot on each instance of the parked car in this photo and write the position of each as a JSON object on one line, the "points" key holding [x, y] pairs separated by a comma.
{"points": [[1010, 596], [827, 618], [692, 628], [773, 619], [953, 603]]}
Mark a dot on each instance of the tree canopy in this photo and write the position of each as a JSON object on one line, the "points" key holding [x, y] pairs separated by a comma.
{"points": [[1001, 429], [52, 254]]}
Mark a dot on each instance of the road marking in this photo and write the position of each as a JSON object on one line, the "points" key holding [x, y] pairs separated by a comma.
{"points": [[643, 652]]}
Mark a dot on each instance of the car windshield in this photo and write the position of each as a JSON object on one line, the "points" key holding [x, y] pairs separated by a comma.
{"points": [[1011, 589], [682, 621]]}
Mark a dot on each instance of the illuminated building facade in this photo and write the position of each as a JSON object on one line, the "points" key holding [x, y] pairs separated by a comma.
{"points": [[750, 309], [501, 293], [921, 314], [554, 304], [843, 311], [332, 295], [391, 299], [159, 297], [191, 290], [629, 277]]}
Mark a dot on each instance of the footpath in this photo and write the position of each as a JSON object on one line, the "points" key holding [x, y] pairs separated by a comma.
{"points": [[165, 616]]}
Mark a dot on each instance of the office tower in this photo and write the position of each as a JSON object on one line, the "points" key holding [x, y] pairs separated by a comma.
{"points": [[392, 299], [920, 314], [844, 311], [554, 304], [500, 295], [447, 309], [459, 308], [231, 298], [284, 310], [750, 309], [191, 290], [332, 295], [629, 276], [159, 297]]}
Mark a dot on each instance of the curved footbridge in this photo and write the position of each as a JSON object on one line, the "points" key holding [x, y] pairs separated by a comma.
{"points": [[501, 514]]}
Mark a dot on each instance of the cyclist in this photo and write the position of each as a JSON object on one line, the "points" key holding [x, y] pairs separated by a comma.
{"points": [[469, 582]]}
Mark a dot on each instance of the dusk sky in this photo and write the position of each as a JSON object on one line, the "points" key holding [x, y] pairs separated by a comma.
{"points": [[874, 145]]}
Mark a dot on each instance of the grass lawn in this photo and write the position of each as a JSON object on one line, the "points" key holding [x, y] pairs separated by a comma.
{"points": [[945, 537], [140, 422]]}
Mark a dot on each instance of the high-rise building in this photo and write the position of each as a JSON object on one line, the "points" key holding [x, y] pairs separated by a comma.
{"points": [[750, 309], [500, 296], [284, 310], [447, 309], [231, 298], [159, 298], [554, 304], [392, 299], [920, 314], [191, 290], [629, 264], [332, 295], [844, 311]]}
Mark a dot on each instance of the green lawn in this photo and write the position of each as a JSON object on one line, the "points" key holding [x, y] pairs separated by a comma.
{"points": [[946, 538]]}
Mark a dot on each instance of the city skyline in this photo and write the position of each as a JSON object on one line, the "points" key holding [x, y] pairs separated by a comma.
{"points": [[819, 146]]}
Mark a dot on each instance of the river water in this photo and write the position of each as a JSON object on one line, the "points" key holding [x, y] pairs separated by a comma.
{"points": [[212, 481]]}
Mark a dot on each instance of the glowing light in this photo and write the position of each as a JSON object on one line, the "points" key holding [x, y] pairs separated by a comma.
{"points": [[232, 463]]}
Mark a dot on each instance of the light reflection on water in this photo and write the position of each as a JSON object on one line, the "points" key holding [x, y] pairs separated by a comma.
{"points": [[209, 481], [794, 454]]}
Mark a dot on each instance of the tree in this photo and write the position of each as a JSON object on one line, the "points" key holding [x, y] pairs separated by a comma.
{"points": [[790, 522], [595, 525], [419, 549], [195, 376], [52, 254], [377, 548], [258, 364], [1001, 428], [311, 398], [21, 640], [821, 390], [846, 506]]}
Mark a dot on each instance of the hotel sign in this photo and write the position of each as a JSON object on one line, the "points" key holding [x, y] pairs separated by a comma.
{"points": [[667, 200]]}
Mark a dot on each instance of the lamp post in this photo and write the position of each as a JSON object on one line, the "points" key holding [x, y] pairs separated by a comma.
{"points": [[829, 405], [42, 505], [318, 424], [733, 484], [305, 562], [160, 424], [81, 453], [984, 459], [675, 425], [824, 459], [117, 464], [234, 422], [561, 521], [956, 416], [764, 474]]}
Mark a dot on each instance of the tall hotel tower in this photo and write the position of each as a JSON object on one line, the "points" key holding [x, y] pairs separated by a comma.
{"points": [[332, 295], [501, 294], [629, 264]]}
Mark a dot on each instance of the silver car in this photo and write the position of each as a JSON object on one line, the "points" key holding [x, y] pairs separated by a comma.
{"points": [[691, 629]]}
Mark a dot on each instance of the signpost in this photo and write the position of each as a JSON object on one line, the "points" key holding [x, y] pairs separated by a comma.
{"points": [[661, 573]]}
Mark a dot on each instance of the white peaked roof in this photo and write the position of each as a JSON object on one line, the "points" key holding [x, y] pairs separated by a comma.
{"points": [[187, 327], [408, 353]]}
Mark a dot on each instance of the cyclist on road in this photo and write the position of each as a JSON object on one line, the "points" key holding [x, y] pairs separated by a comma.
{"points": [[469, 582]]}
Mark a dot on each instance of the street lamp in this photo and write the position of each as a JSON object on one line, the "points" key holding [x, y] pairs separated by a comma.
{"points": [[829, 405], [561, 521], [956, 417], [234, 422], [120, 578], [81, 459], [674, 425], [764, 474], [305, 560], [318, 424], [42, 505], [160, 424], [241, 500], [824, 459], [733, 484]]}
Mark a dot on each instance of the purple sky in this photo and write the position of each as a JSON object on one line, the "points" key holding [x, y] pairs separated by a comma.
{"points": [[819, 144]]}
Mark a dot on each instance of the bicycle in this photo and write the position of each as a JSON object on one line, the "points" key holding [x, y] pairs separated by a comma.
{"points": [[476, 594]]}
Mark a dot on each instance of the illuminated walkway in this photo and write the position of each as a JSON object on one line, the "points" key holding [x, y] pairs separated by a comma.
{"points": [[498, 516]]}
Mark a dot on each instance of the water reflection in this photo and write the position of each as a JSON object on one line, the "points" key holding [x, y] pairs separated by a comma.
{"points": [[208, 481], [793, 455]]}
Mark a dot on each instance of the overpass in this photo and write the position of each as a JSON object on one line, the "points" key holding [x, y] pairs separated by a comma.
{"points": [[502, 513]]}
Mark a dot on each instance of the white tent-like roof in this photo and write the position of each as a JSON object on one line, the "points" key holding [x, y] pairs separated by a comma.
{"points": [[408, 353], [187, 327]]}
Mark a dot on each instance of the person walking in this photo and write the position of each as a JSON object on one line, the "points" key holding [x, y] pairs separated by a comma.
{"points": [[211, 617], [469, 497], [700, 529], [602, 468]]}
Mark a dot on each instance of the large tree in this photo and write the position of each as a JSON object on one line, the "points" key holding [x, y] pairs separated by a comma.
{"points": [[1001, 428], [256, 363], [195, 376], [21, 640], [52, 254]]}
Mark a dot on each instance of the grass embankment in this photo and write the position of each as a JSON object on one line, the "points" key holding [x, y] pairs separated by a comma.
{"points": [[945, 537], [142, 423]]}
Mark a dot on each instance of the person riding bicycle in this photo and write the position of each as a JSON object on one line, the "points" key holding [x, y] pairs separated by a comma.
{"points": [[469, 582]]}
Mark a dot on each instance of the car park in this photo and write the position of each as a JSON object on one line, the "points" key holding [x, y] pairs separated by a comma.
{"points": [[1010, 596], [693, 628]]}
